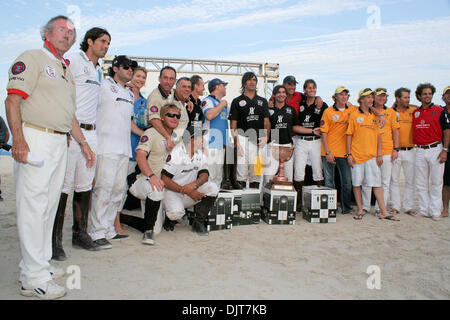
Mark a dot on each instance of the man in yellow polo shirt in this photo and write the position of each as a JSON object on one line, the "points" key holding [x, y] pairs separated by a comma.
{"points": [[333, 126], [363, 145], [406, 155], [389, 147], [41, 112]]}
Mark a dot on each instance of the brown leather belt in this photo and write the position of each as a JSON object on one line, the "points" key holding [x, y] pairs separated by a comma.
{"points": [[429, 146], [405, 148], [30, 125], [88, 127]]}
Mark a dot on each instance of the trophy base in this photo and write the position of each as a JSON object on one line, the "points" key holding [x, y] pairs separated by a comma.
{"points": [[282, 185]]}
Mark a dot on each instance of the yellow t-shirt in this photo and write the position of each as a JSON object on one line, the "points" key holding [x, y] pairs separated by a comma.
{"points": [[364, 129], [334, 123], [406, 130], [392, 123]]}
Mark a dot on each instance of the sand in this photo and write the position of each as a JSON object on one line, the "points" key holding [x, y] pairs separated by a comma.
{"points": [[301, 261]]}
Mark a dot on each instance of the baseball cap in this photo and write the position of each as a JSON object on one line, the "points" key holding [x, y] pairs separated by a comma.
{"points": [[365, 92], [341, 89], [124, 61], [446, 89], [380, 90], [212, 84], [289, 79]]}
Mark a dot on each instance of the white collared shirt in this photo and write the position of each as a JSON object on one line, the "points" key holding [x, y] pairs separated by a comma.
{"points": [[87, 80], [181, 168], [115, 111]]}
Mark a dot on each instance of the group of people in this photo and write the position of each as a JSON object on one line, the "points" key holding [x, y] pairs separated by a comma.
{"points": [[101, 140]]}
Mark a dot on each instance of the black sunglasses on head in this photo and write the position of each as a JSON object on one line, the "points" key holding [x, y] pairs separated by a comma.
{"points": [[173, 115]]}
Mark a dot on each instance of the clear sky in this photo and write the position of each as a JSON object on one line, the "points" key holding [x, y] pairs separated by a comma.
{"points": [[358, 44]]}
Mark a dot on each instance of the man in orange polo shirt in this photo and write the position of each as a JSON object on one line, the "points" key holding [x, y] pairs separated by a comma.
{"points": [[389, 147], [333, 126], [406, 155], [363, 145]]}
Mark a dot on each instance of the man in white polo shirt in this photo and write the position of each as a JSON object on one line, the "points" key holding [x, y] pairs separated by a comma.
{"points": [[87, 74], [114, 124], [185, 176], [41, 112]]}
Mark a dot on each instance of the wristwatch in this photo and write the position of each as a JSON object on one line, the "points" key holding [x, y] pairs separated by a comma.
{"points": [[327, 153], [148, 178], [397, 149], [445, 149], [348, 154]]}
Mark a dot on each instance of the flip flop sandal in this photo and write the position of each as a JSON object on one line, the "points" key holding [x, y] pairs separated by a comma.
{"points": [[392, 218], [358, 216]]}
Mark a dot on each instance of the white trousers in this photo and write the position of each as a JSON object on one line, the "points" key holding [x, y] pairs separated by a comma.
{"points": [[37, 197], [107, 195], [273, 165], [78, 176], [245, 169], [429, 181], [405, 160], [386, 169], [174, 203], [305, 150], [215, 165]]}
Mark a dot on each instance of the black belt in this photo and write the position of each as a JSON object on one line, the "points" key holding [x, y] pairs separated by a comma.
{"points": [[405, 148], [309, 138], [429, 146], [88, 127]]}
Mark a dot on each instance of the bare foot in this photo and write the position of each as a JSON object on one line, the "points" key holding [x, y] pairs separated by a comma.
{"points": [[444, 214]]}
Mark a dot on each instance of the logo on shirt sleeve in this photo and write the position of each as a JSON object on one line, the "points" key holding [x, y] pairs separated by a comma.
{"points": [[18, 67], [169, 157], [154, 109], [322, 123], [144, 139], [203, 103]]}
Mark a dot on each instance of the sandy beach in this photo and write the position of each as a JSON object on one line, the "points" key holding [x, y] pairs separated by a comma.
{"points": [[301, 261]]}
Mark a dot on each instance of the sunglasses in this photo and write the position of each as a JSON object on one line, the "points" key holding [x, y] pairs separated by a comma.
{"points": [[125, 67], [380, 89], [173, 115], [366, 90]]}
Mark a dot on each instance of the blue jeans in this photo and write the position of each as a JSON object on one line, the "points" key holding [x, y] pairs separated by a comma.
{"points": [[345, 175]]}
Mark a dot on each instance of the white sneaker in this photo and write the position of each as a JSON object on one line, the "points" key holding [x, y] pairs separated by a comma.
{"points": [[56, 272], [47, 291], [435, 218]]}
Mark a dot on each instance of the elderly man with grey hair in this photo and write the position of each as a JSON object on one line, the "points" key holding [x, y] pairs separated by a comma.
{"points": [[40, 108]]}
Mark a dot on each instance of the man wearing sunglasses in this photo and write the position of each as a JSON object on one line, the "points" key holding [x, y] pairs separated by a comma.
{"points": [[114, 124], [151, 154]]}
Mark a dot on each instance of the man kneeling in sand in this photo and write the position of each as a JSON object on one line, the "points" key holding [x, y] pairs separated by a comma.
{"points": [[151, 154], [185, 176]]}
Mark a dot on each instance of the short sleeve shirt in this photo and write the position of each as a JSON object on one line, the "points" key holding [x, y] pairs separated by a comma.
{"points": [[335, 123], [154, 144], [428, 125], [87, 80], [249, 113], [405, 120], [155, 101], [392, 123], [181, 168], [115, 111], [310, 116], [217, 127], [47, 87], [281, 122], [184, 120], [196, 116], [364, 129]]}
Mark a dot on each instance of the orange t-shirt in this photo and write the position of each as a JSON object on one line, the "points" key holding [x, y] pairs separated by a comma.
{"points": [[405, 120], [364, 129], [334, 123], [392, 123]]}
